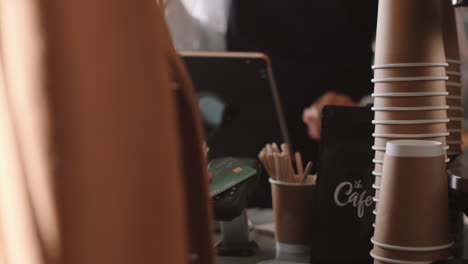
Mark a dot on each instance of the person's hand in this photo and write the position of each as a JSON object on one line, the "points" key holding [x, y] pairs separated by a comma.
{"points": [[312, 116]]}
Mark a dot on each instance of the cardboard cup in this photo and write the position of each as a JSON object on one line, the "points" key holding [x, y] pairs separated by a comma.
{"points": [[293, 210], [410, 115], [411, 128], [429, 256], [409, 72], [413, 207], [409, 31], [410, 101], [410, 87], [454, 91]]}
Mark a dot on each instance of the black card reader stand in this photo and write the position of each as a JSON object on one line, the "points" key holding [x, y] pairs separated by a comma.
{"points": [[229, 209]]}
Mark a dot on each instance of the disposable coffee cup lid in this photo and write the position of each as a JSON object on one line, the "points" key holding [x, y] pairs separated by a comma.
{"points": [[375, 187], [375, 199], [410, 79], [410, 64], [410, 108], [412, 249], [414, 148], [396, 261], [454, 73], [454, 84], [409, 122], [377, 161], [376, 173], [452, 61], [414, 94]]}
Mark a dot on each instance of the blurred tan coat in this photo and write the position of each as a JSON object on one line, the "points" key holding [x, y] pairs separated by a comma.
{"points": [[99, 152]]}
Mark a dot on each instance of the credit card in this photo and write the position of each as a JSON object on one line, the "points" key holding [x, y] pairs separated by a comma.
{"points": [[228, 173]]}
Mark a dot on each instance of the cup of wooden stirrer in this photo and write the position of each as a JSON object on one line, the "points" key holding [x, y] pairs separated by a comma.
{"points": [[292, 196]]}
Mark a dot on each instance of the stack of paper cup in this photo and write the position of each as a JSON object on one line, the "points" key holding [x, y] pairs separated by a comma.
{"points": [[410, 95], [419, 112], [412, 224]]}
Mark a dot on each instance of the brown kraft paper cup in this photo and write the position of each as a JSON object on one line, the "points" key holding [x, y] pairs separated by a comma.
{"points": [[411, 128], [413, 206], [412, 256], [409, 31], [410, 101], [410, 87], [410, 115], [409, 72], [293, 211]]}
